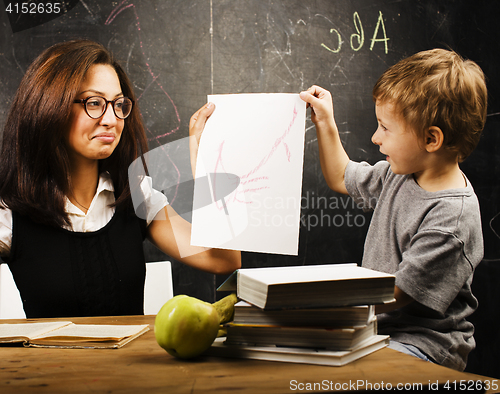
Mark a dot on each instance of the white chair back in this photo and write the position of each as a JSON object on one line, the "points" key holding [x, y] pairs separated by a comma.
{"points": [[11, 306], [158, 288]]}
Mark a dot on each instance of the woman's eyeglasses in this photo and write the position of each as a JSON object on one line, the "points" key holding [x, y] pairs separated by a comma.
{"points": [[95, 106]]}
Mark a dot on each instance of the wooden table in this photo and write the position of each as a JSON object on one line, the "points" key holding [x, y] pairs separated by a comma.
{"points": [[143, 367]]}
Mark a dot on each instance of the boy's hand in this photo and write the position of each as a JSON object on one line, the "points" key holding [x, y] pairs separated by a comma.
{"points": [[320, 101], [332, 155]]}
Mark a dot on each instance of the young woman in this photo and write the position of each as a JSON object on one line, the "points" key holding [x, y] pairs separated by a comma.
{"points": [[67, 226]]}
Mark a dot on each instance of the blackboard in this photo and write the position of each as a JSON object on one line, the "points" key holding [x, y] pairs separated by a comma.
{"points": [[178, 51]]}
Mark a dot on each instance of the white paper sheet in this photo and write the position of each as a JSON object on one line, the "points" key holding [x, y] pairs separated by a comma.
{"points": [[260, 139]]}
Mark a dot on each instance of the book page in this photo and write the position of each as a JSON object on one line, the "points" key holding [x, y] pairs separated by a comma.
{"points": [[28, 330], [298, 355], [94, 332], [249, 174]]}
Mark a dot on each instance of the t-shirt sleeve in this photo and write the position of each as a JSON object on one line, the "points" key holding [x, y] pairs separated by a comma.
{"points": [[364, 182], [434, 255]]}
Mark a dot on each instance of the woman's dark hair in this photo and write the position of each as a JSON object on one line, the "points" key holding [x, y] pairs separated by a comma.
{"points": [[34, 163]]}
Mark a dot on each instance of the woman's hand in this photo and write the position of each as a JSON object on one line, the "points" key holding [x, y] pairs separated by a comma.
{"points": [[196, 126], [198, 120]]}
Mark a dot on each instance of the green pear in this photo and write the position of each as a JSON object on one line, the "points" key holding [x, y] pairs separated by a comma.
{"points": [[186, 326]]}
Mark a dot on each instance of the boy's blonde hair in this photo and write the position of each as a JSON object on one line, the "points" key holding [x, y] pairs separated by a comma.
{"points": [[438, 88]]}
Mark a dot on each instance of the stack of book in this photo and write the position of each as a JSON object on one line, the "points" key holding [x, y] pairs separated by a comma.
{"points": [[321, 314]]}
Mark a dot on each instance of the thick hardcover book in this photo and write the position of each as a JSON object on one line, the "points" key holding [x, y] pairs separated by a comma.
{"points": [[65, 334], [348, 316], [298, 355], [311, 286], [309, 337]]}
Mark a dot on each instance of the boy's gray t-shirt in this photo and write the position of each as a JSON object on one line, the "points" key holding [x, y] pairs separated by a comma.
{"points": [[432, 242]]}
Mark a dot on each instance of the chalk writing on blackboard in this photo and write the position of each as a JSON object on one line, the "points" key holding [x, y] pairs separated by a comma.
{"points": [[124, 5], [357, 39]]}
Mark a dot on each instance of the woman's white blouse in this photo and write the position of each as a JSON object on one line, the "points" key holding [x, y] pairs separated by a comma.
{"points": [[98, 214]]}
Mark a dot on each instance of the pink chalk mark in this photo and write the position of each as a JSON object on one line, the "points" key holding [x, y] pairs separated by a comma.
{"points": [[260, 178], [245, 179], [223, 173], [277, 143], [117, 11], [178, 179]]}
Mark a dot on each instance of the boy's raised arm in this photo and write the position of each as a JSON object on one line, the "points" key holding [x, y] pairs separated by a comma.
{"points": [[332, 156]]}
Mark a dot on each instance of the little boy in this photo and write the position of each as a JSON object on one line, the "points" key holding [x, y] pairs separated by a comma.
{"points": [[426, 227]]}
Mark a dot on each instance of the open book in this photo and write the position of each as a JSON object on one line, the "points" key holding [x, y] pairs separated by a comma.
{"points": [[311, 286], [65, 334]]}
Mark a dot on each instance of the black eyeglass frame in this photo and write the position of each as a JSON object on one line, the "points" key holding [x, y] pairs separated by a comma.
{"points": [[113, 102]]}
